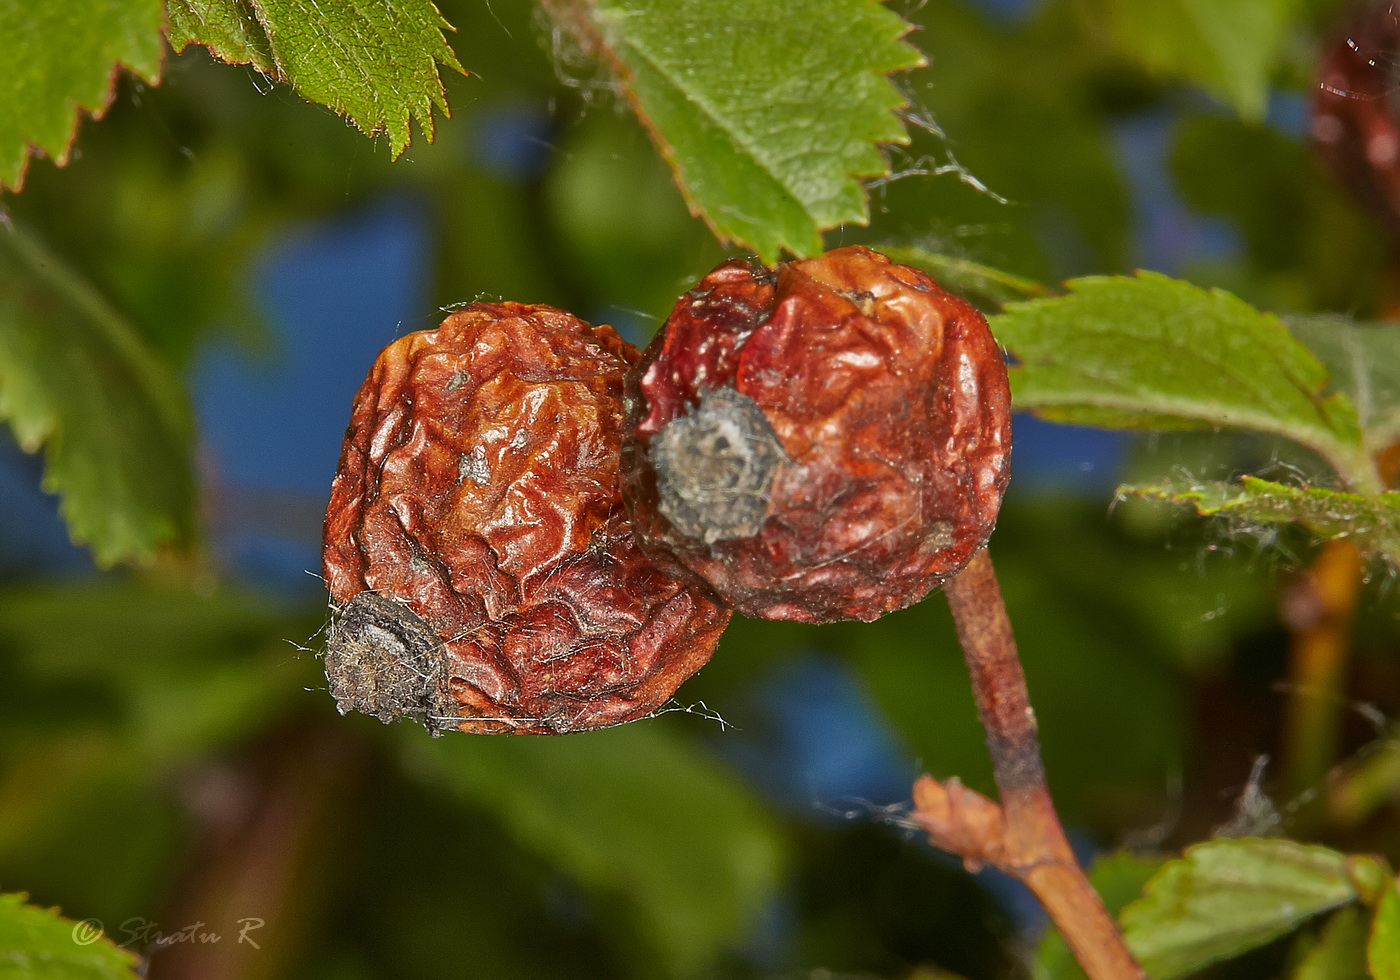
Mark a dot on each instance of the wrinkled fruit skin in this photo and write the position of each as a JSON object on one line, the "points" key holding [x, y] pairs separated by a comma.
{"points": [[484, 573], [825, 441]]}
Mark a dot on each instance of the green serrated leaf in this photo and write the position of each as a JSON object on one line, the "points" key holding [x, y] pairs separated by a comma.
{"points": [[1118, 878], [39, 944], [77, 381], [1374, 520], [1340, 950], [767, 110], [1149, 352], [1224, 897], [229, 30], [633, 813], [375, 63], [1383, 951], [1228, 49], [1364, 361], [63, 61]]}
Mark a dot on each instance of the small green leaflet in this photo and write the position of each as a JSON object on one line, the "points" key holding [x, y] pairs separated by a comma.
{"points": [[1373, 520], [634, 814], [39, 944], [63, 60], [1340, 950], [1364, 360], [982, 285], [375, 63], [1227, 896], [767, 110], [1227, 48], [1383, 952], [1151, 352], [78, 381]]}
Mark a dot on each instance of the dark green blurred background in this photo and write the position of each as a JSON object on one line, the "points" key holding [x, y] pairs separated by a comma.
{"points": [[169, 754]]}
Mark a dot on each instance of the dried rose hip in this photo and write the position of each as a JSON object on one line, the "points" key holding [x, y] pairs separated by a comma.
{"points": [[1356, 111], [824, 441], [483, 570]]}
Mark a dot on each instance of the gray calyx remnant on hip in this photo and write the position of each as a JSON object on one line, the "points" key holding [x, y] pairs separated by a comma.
{"points": [[384, 660], [715, 467]]}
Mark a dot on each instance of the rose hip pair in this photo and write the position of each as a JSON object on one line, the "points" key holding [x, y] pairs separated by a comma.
{"points": [[533, 530]]}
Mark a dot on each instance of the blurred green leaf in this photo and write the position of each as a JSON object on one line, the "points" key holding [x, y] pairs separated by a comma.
{"points": [[1306, 246], [631, 813], [1340, 950], [982, 285], [1229, 49], [39, 944], [1014, 108], [78, 381], [1383, 951], [1366, 784], [1372, 520], [768, 110], [1227, 896], [1263, 190], [111, 683], [1151, 352], [375, 63], [618, 211], [1118, 878], [1364, 361], [69, 61], [185, 670]]}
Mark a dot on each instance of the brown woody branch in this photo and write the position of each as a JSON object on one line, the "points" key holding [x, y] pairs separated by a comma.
{"points": [[1022, 836]]}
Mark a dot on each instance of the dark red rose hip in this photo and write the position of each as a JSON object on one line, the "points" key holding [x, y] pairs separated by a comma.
{"points": [[482, 569], [1356, 110], [824, 441]]}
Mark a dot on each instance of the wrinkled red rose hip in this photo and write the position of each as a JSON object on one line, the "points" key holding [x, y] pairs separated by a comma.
{"points": [[827, 440], [482, 569]]}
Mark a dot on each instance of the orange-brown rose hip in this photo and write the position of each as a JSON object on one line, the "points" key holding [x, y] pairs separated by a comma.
{"points": [[483, 572], [823, 441]]}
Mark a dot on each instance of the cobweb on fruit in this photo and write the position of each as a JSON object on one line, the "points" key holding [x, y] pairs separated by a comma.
{"points": [[699, 708]]}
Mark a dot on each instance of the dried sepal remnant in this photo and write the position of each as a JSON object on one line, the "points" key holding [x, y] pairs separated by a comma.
{"points": [[478, 495], [715, 467], [383, 660], [889, 404]]}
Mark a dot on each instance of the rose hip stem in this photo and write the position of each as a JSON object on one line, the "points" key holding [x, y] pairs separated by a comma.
{"points": [[1033, 848]]}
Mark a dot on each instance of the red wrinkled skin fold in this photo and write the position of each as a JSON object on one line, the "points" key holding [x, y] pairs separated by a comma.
{"points": [[890, 399], [478, 489]]}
